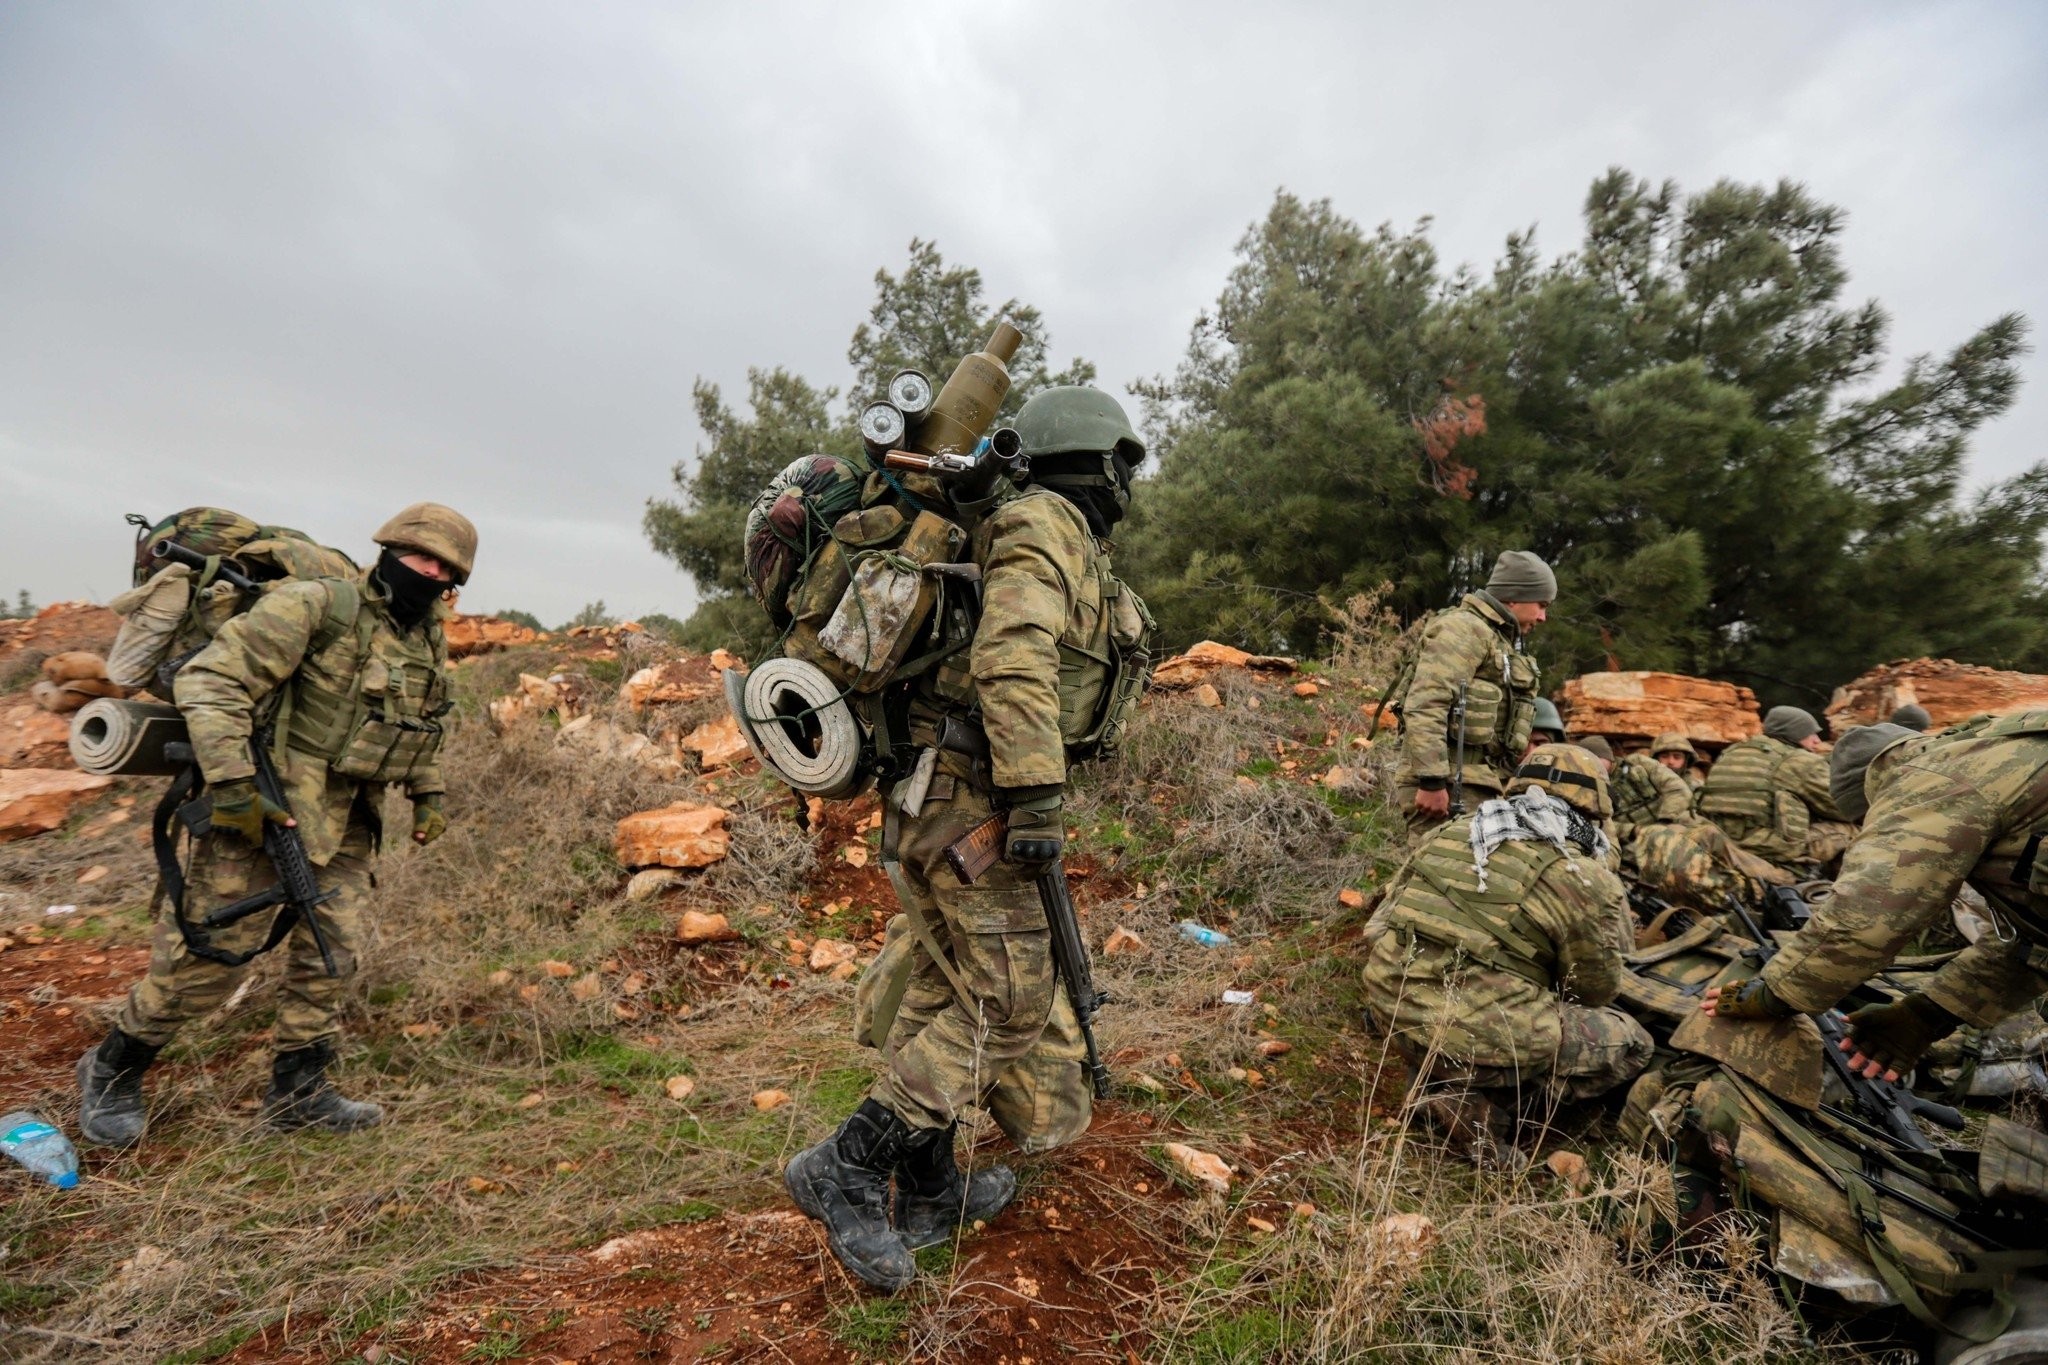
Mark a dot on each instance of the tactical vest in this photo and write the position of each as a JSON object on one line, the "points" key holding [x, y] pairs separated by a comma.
{"points": [[1500, 701], [368, 700], [2016, 881], [1442, 903], [1744, 797], [1104, 651], [1635, 791]]}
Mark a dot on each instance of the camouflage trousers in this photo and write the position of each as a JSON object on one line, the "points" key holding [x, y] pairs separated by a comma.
{"points": [[1598, 1050], [1013, 1045], [1698, 865], [225, 867]]}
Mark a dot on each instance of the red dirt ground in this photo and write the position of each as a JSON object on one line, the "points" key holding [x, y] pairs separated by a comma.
{"points": [[1062, 1274], [46, 992]]}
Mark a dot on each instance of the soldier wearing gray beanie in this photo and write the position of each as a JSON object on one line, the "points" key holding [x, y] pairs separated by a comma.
{"points": [[1854, 753], [1790, 725], [1522, 576]]}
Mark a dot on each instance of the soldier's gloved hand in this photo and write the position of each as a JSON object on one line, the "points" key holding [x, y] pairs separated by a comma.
{"points": [[1750, 1000], [428, 823], [1038, 830], [238, 806], [1891, 1039]]}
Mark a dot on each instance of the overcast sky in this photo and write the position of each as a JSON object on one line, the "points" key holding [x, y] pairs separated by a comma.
{"points": [[315, 261]]}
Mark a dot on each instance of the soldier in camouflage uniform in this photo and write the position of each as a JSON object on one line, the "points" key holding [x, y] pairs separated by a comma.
{"points": [[1767, 791], [1472, 652], [984, 1021], [1675, 752], [1646, 792], [1968, 806], [1503, 951], [352, 675]]}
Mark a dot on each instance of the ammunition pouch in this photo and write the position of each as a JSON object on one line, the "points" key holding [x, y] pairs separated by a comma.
{"points": [[380, 730], [1102, 680]]}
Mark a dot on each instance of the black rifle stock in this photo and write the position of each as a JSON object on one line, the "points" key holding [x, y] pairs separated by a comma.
{"points": [[1890, 1103], [1070, 960], [1458, 755]]}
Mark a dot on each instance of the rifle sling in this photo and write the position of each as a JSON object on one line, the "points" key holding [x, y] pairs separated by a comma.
{"points": [[892, 833], [185, 788]]}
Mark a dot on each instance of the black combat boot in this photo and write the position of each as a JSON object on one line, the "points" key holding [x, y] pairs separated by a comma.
{"points": [[300, 1096], [843, 1182], [934, 1200], [111, 1111]]}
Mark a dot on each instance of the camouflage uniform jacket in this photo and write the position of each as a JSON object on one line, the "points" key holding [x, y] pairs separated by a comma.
{"points": [[1766, 794], [1944, 809], [1646, 792], [1473, 648], [277, 642], [1040, 592], [1426, 979]]}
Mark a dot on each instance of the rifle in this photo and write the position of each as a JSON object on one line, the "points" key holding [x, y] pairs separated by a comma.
{"points": [[978, 850], [1890, 1103], [297, 890], [1458, 755]]}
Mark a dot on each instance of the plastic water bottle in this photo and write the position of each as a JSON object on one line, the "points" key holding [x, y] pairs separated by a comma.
{"points": [[40, 1147], [1203, 934]]}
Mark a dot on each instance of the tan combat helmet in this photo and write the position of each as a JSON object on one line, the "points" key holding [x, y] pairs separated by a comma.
{"points": [[1569, 773], [1673, 743], [432, 529]]}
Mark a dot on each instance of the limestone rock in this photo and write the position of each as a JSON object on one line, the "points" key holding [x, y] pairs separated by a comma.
{"points": [[765, 1100], [535, 698], [697, 928], [648, 884], [470, 635], [31, 737], [1634, 708], [37, 800], [1121, 942], [589, 737], [718, 742], [722, 659], [828, 953], [1950, 691], [686, 834], [1204, 660], [1205, 1168], [1205, 694], [1307, 689], [677, 680]]}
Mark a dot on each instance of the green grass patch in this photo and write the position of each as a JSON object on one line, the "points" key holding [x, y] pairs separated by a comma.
{"points": [[211, 1349], [871, 1327]]}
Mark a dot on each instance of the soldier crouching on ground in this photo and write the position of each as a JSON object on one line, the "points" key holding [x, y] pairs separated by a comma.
{"points": [[353, 676], [1503, 950], [1471, 690], [1966, 806], [1769, 793], [982, 1020]]}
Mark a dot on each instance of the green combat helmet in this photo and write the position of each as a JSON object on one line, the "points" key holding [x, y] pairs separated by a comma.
{"points": [[1059, 428], [432, 529], [1547, 720]]}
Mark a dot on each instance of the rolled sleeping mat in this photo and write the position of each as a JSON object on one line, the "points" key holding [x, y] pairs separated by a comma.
{"points": [[798, 724], [115, 738]]}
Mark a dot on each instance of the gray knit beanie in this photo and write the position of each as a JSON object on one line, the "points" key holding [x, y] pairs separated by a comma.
{"points": [[1854, 753], [1521, 576], [1596, 746], [1789, 724], [1911, 716]]}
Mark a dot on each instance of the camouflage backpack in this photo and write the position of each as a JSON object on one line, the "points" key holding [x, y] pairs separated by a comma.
{"points": [[174, 609]]}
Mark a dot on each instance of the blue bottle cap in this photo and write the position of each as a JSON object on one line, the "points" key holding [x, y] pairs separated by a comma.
{"points": [[67, 1181]]}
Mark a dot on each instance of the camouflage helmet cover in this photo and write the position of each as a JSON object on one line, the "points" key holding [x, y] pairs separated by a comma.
{"points": [[1673, 743], [433, 529], [1567, 772]]}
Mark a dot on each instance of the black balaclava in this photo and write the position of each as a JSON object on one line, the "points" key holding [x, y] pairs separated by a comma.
{"points": [[411, 593], [1079, 478]]}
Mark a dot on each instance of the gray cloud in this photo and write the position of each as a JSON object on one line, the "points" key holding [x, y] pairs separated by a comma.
{"points": [[314, 262]]}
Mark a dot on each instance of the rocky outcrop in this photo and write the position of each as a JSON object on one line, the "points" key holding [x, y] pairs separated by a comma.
{"points": [[56, 628], [31, 737], [1204, 661], [37, 800], [1948, 690], [468, 635], [1633, 708]]}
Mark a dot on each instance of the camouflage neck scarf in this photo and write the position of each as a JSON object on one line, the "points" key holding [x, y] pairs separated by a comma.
{"points": [[408, 593]]}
